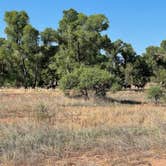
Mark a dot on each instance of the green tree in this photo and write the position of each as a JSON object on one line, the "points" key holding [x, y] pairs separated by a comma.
{"points": [[3, 62], [152, 57], [24, 43], [30, 48], [80, 40], [85, 79], [8, 66], [16, 22], [141, 72], [156, 58], [31, 58], [128, 75], [121, 57], [49, 47]]}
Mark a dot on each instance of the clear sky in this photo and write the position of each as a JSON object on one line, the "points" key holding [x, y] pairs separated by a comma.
{"points": [[139, 22]]}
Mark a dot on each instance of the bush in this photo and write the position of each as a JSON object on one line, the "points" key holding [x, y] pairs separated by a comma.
{"points": [[155, 93], [85, 79], [116, 87], [42, 112]]}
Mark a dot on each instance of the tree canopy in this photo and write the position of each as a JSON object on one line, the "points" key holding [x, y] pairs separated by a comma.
{"points": [[78, 54]]}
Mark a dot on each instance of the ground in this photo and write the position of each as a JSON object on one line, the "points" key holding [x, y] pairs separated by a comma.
{"points": [[43, 127]]}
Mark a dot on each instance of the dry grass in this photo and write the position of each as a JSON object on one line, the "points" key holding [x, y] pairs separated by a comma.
{"points": [[42, 127]]}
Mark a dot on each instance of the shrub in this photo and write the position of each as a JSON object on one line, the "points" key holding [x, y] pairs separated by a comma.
{"points": [[42, 112], [85, 79], [155, 93], [116, 87]]}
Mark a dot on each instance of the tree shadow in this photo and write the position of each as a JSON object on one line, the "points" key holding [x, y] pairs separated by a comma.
{"points": [[132, 102], [104, 101], [109, 100]]}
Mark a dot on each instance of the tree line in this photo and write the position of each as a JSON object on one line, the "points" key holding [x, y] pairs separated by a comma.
{"points": [[78, 55]]}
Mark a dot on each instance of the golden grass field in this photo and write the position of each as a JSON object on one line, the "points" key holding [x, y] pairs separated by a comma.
{"points": [[44, 128]]}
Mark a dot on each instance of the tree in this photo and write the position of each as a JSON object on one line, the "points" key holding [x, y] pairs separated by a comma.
{"points": [[85, 79], [30, 49], [3, 63], [128, 75], [121, 57], [31, 58], [25, 50], [141, 73], [163, 54], [49, 47], [156, 58], [128, 54], [151, 57], [80, 40], [7, 64], [16, 22]]}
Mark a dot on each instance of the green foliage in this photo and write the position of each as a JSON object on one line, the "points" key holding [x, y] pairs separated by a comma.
{"points": [[49, 36], [30, 39], [116, 87], [80, 37], [24, 59], [160, 77], [97, 23], [156, 59], [69, 81], [155, 93], [31, 58], [121, 57], [141, 73], [16, 30], [16, 21], [87, 78]]}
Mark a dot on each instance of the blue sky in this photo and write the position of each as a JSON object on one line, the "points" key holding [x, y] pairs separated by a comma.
{"points": [[140, 22]]}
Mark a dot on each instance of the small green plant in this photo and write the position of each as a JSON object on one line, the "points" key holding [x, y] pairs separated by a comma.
{"points": [[155, 93], [116, 87]]}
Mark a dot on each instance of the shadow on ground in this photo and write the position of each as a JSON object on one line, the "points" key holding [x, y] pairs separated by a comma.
{"points": [[116, 101], [107, 101]]}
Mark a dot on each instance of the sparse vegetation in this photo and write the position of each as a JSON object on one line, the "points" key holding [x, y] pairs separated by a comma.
{"points": [[42, 126], [46, 128]]}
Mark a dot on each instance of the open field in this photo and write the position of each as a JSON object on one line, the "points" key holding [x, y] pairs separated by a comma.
{"points": [[42, 127]]}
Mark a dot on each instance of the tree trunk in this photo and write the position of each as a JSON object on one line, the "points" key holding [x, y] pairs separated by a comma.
{"points": [[25, 74], [85, 94]]}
